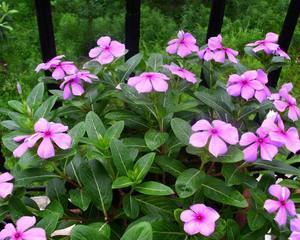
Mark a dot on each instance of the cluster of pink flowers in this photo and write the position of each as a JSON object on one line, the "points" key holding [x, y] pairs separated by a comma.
{"points": [[48, 132], [269, 46], [248, 85], [217, 133], [6, 187], [72, 77], [199, 219], [216, 51], [24, 230], [283, 101], [283, 205]]}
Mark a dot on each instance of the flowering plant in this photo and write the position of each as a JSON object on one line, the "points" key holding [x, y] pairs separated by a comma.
{"points": [[186, 145]]}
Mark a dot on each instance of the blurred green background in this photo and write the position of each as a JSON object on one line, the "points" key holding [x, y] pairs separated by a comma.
{"points": [[78, 23]]}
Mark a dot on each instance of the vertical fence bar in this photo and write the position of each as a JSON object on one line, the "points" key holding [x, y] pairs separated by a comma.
{"points": [[215, 23], [286, 35], [45, 26], [132, 27]]}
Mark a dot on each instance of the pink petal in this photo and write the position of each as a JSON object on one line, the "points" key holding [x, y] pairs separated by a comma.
{"points": [[77, 89], [187, 216], [251, 152], [199, 139], [208, 213], [25, 223], [42, 125], [159, 85], [192, 227], [231, 58], [95, 52], [6, 189], [58, 128], [262, 76], [295, 236], [5, 177], [20, 138], [271, 46], [234, 90], [105, 57], [69, 68], [268, 151], [247, 92], [172, 49], [282, 193], [144, 86], [62, 140], [31, 141], [206, 228], [46, 149], [104, 41], [20, 150], [257, 85], [272, 37], [247, 139], [67, 91], [183, 50], [295, 224], [134, 81], [229, 134], [35, 234], [58, 73], [217, 146], [292, 142], [201, 125], [290, 207], [271, 205], [8, 231], [294, 113], [117, 49], [219, 56], [234, 78], [281, 216], [280, 105]]}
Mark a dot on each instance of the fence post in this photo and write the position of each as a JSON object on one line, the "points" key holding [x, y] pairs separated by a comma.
{"points": [[132, 27], [46, 33], [286, 35], [215, 23]]}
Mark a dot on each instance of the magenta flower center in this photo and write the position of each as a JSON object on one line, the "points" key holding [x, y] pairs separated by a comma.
{"points": [[244, 82], [18, 236], [47, 134], [282, 202], [214, 131], [149, 76], [260, 140], [199, 217]]}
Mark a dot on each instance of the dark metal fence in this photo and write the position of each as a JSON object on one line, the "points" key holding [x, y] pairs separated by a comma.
{"points": [[132, 30]]}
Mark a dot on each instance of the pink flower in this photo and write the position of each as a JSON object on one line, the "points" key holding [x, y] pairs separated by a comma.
{"points": [[60, 68], [73, 83], [184, 45], [220, 52], [48, 131], [283, 205], [206, 54], [281, 53], [24, 230], [265, 93], [182, 73], [275, 127], [107, 50], [245, 85], [268, 45], [268, 149], [149, 81], [283, 101], [295, 228], [199, 219], [217, 132], [6, 188]]}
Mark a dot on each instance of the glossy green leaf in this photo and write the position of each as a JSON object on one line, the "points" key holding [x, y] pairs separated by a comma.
{"points": [[122, 182], [94, 127], [154, 188], [139, 231], [170, 165], [143, 165], [155, 139], [80, 198], [181, 129], [131, 206], [36, 95]]}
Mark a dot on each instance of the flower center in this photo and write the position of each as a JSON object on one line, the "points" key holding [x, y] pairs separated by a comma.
{"points": [[260, 140], [149, 76], [199, 217], [214, 131], [107, 48], [282, 203], [47, 134], [17, 236], [244, 82]]}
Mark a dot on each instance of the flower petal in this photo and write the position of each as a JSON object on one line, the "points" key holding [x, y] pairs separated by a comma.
{"points": [[6, 189], [159, 85], [20, 150], [62, 140], [95, 52], [58, 73], [46, 149], [5, 177], [217, 146], [281, 216], [42, 125], [35, 234], [268, 151], [201, 125], [25, 223], [8, 231], [192, 227], [199, 139], [117, 48], [187, 216], [251, 152], [271, 205], [290, 207], [247, 138]]}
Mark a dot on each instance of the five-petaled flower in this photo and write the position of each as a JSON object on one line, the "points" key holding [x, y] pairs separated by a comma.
{"points": [[218, 132], [183, 46], [283, 206], [199, 219], [295, 228], [60, 68], [248, 85], [261, 141], [149, 81], [181, 72], [107, 50], [24, 230], [48, 131], [6, 187]]}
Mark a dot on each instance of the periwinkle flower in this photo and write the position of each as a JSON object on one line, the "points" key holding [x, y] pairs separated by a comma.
{"points": [[199, 219], [295, 228], [283, 205], [6, 187], [181, 72], [217, 133]]}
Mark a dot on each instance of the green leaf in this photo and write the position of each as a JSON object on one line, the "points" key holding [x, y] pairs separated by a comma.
{"points": [[233, 155], [122, 182], [122, 156], [170, 165], [114, 131], [277, 166], [155, 139], [189, 182], [255, 219], [232, 230], [130, 65], [29, 160], [77, 132], [16, 105], [216, 190], [233, 176], [36, 95], [154, 188], [140, 231], [56, 190], [131, 206], [97, 184], [167, 230], [49, 223], [10, 125], [143, 165], [259, 196], [44, 110], [17, 208], [102, 228], [181, 129], [155, 61], [94, 127], [254, 108], [80, 198], [82, 232]]}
